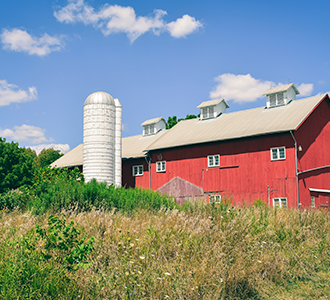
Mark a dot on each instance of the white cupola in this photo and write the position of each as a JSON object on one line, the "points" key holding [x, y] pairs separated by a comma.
{"points": [[281, 95], [212, 108], [153, 126]]}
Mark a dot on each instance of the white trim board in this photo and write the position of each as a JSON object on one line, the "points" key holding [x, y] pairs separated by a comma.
{"points": [[319, 190]]}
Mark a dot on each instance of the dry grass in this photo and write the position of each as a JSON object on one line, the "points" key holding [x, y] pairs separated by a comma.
{"points": [[206, 253]]}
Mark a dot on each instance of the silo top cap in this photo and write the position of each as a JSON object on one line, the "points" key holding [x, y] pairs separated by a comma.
{"points": [[99, 98]]}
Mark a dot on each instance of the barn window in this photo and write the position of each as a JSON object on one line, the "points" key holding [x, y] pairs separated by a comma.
{"points": [[312, 201], [213, 160], [149, 129], [138, 170], [207, 112], [280, 202], [277, 153], [276, 99], [161, 166], [215, 198]]}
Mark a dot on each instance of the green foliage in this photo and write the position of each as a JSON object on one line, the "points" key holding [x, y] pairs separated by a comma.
{"points": [[15, 199], [46, 157], [172, 121], [16, 166], [64, 244], [25, 275], [68, 193]]}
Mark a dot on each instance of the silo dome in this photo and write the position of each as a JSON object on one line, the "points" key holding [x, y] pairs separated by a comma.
{"points": [[100, 98], [99, 138]]}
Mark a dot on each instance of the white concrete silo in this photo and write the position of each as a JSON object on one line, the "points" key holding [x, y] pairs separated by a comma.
{"points": [[99, 158]]}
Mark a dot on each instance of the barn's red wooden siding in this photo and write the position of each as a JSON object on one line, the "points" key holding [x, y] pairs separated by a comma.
{"points": [[314, 138], [246, 171]]}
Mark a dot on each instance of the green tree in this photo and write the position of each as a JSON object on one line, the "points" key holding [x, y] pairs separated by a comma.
{"points": [[46, 157], [16, 166], [172, 121]]}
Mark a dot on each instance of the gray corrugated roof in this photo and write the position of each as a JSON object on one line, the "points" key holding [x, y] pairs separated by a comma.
{"points": [[132, 147], [212, 102], [152, 121], [238, 124], [71, 159], [281, 88]]}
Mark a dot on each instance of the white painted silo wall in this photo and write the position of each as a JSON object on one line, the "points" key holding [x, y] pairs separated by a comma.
{"points": [[99, 138], [118, 143]]}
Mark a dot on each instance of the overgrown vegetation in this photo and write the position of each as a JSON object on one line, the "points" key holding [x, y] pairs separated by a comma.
{"points": [[62, 238], [198, 252]]}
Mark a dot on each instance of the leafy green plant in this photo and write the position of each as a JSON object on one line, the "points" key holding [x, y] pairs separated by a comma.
{"points": [[63, 243]]}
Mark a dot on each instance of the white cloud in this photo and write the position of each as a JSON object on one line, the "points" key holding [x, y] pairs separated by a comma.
{"points": [[305, 89], [26, 133], [116, 19], [21, 41], [240, 88], [183, 26], [10, 93], [245, 88], [64, 148]]}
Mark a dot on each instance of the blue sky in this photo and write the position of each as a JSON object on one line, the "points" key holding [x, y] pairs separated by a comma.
{"points": [[159, 58]]}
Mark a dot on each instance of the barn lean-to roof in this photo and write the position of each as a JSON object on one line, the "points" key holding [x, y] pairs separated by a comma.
{"points": [[132, 147]]}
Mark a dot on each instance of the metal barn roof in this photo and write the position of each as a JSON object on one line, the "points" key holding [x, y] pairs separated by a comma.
{"points": [[132, 147], [71, 159], [152, 121], [212, 102], [238, 124], [281, 88]]}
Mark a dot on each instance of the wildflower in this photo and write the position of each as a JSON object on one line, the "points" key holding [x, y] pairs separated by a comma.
{"points": [[136, 239], [259, 261], [221, 280], [315, 256], [210, 217], [126, 273], [166, 296], [168, 274], [139, 272], [142, 257], [159, 278], [221, 217], [131, 244]]}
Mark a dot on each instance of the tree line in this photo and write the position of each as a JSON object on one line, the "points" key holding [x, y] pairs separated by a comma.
{"points": [[19, 166]]}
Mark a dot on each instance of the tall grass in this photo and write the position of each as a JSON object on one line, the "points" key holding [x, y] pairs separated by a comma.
{"points": [[198, 252]]}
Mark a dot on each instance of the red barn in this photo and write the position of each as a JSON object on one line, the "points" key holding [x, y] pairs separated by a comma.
{"points": [[278, 153]]}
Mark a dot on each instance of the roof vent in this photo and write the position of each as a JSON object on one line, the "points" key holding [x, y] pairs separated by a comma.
{"points": [[212, 108], [153, 126], [281, 95]]}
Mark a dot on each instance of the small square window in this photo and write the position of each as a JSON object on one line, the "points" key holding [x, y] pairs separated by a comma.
{"points": [[215, 198], [138, 170], [312, 201], [213, 160], [277, 153], [280, 202], [161, 166]]}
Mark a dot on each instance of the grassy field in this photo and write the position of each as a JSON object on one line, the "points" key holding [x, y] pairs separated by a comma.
{"points": [[196, 251]]}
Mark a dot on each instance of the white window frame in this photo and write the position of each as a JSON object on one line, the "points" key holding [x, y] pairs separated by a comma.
{"points": [[215, 199], [161, 166], [272, 158], [211, 160], [281, 201], [209, 112], [149, 129], [279, 99], [137, 170], [313, 201]]}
